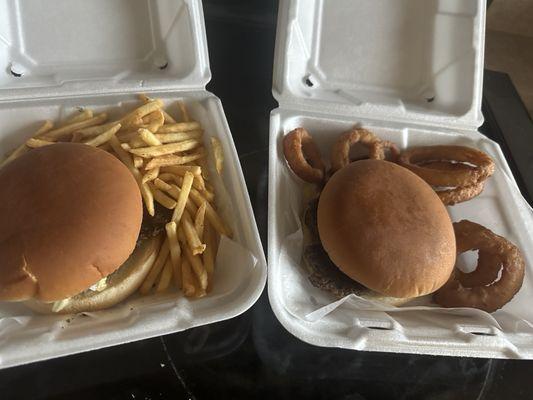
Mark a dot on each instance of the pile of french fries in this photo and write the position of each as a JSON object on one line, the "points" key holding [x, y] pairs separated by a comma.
{"points": [[169, 162]]}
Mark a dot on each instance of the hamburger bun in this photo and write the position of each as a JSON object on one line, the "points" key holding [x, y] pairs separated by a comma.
{"points": [[120, 284], [70, 214], [387, 229]]}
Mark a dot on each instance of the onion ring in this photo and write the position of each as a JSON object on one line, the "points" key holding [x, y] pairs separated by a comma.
{"points": [[481, 290], [459, 194], [484, 166], [303, 156], [340, 153]]}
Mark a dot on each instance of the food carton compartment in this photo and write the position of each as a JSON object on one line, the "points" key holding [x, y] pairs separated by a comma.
{"points": [[319, 318], [240, 272], [409, 59]]}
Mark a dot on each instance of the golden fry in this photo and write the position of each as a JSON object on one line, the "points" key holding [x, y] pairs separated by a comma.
{"points": [[71, 128], [124, 156], [140, 112], [218, 154], [154, 121], [165, 277], [199, 220], [199, 185], [165, 149], [180, 127], [156, 268], [174, 192], [168, 117], [34, 143], [166, 161], [211, 214], [175, 251], [151, 175], [45, 127], [189, 230], [162, 198], [182, 198], [197, 267], [148, 137], [181, 169], [138, 162], [103, 137], [178, 137], [79, 116]]}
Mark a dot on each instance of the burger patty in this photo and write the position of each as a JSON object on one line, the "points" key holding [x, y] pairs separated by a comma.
{"points": [[323, 273], [153, 226]]}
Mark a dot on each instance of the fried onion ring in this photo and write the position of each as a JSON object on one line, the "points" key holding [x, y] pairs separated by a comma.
{"points": [[340, 153], [482, 289], [303, 156], [415, 157], [459, 194]]}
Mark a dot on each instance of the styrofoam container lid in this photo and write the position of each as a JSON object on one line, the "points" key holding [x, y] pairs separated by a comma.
{"points": [[409, 60], [62, 47]]}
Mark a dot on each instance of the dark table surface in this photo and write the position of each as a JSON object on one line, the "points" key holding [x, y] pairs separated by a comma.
{"points": [[252, 356]]}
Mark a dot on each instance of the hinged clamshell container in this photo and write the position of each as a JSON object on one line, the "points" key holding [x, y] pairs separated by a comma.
{"points": [[59, 56], [410, 71]]}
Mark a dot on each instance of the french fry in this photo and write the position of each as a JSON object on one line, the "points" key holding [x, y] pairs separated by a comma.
{"points": [[148, 137], [211, 214], [156, 268], [181, 169], [175, 251], [218, 154], [178, 137], [184, 113], [45, 127], [148, 197], [197, 267], [199, 185], [202, 162], [168, 117], [103, 137], [96, 130], [193, 241], [34, 143], [165, 149], [188, 284], [170, 160], [151, 175], [154, 121], [165, 277], [199, 220], [71, 128], [140, 112], [180, 127], [79, 116], [182, 198], [174, 192], [162, 198], [124, 156], [138, 162], [136, 142]]}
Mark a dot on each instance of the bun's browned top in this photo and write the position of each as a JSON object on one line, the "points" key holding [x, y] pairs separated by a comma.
{"points": [[70, 214], [386, 228]]}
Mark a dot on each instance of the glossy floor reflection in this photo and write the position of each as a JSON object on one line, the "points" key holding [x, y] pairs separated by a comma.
{"points": [[252, 356]]}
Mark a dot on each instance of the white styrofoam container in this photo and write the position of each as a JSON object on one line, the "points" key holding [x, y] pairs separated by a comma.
{"points": [[100, 54], [411, 71]]}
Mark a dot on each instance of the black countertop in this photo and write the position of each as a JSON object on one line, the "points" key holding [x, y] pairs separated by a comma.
{"points": [[252, 356]]}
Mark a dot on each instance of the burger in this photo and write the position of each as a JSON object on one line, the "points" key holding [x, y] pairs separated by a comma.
{"points": [[379, 231], [70, 230]]}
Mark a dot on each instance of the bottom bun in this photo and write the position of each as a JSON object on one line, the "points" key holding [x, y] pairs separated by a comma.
{"points": [[120, 284]]}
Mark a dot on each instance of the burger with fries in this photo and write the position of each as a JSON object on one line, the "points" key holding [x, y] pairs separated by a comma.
{"points": [[93, 211]]}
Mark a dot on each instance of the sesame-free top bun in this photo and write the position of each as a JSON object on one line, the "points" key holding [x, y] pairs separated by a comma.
{"points": [[386, 228], [70, 214]]}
